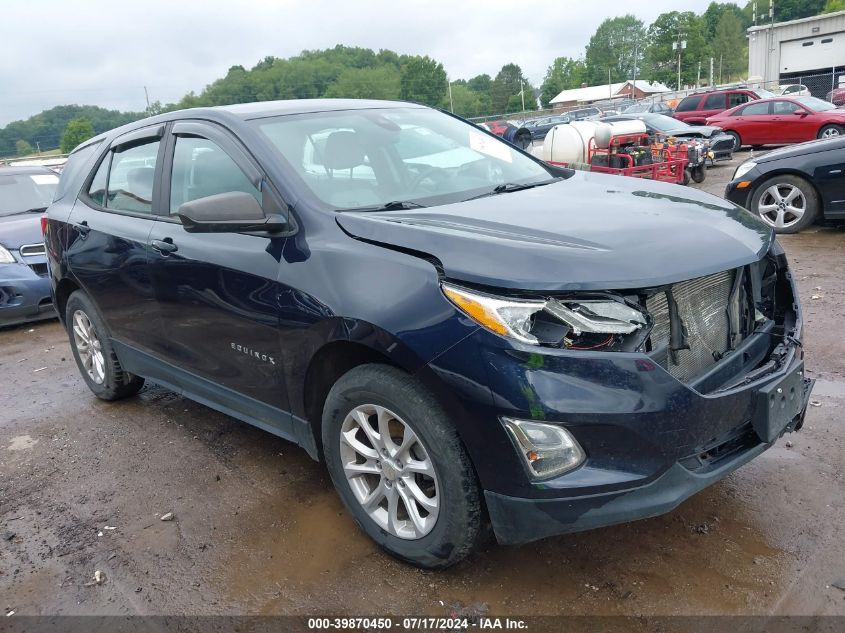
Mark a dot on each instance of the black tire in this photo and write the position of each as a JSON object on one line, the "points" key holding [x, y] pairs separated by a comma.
{"points": [[458, 528], [811, 202], [116, 382], [699, 173], [737, 139], [829, 131], [687, 176], [522, 139]]}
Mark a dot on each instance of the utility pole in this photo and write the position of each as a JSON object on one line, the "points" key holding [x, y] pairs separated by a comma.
{"points": [[522, 93], [451, 105], [711, 72], [147, 97], [698, 77], [679, 46], [609, 85], [636, 55]]}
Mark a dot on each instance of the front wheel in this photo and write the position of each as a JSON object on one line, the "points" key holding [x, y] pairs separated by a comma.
{"points": [[400, 468], [699, 173], [93, 351], [786, 203], [830, 131]]}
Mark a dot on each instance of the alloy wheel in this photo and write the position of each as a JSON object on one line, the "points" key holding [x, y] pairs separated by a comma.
{"points": [[88, 347], [389, 471], [782, 205], [830, 132]]}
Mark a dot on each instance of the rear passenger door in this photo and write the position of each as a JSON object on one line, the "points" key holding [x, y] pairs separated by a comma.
{"points": [[216, 293], [110, 222], [755, 123]]}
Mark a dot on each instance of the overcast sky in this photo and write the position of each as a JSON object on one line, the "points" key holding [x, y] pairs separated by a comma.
{"points": [[57, 52]]}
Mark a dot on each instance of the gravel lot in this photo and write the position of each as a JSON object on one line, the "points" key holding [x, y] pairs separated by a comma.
{"points": [[257, 528]]}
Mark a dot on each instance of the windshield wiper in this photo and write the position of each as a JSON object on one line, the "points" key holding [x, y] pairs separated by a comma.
{"points": [[509, 187], [394, 205]]}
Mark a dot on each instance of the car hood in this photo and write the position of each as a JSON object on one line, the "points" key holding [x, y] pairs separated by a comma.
{"points": [[589, 232], [700, 131], [810, 147], [16, 230]]}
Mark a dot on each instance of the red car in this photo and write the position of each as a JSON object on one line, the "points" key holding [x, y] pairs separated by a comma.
{"points": [[695, 108], [781, 120]]}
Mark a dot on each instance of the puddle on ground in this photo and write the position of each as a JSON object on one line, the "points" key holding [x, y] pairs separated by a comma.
{"points": [[22, 443]]}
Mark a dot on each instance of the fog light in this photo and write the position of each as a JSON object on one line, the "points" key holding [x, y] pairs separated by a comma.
{"points": [[547, 449]]}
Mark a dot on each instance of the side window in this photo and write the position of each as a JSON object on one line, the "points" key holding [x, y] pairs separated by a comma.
{"points": [[97, 190], [755, 109], [784, 107], [131, 175], [72, 173], [714, 102], [688, 104], [201, 169], [737, 98]]}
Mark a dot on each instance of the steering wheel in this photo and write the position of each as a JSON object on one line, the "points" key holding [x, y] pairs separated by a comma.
{"points": [[427, 171]]}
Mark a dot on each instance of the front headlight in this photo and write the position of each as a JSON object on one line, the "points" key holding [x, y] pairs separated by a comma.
{"points": [[744, 169], [568, 323], [6, 257]]}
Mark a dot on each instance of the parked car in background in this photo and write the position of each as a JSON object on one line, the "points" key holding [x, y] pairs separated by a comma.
{"points": [[458, 344], [696, 108], [780, 120], [656, 107], [792, 187], [540, 127], [718, 142], [25, 193], [793, 90], [836, 96], [584, 114]]}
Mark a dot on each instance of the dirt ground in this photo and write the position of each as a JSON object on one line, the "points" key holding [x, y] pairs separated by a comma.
{"points": [[257, 528]]}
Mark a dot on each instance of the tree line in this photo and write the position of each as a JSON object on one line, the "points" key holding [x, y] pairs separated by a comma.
{"points": [[621, 48]]}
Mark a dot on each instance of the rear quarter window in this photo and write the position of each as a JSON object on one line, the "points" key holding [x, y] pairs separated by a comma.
{"points": [[74, 171], [714, 102], [688, 104]]}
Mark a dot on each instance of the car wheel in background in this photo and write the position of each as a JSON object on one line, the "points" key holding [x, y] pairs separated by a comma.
{"points": [[830, 131], [737, 139], [93, 352], [786, 203], [400, 468], [698, 173]]}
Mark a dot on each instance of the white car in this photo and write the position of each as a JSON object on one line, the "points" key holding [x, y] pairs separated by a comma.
{"points": [[794, 90]]}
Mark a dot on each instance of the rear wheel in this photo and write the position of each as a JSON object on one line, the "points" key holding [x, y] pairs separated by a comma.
{"points": [[830, 131], [400, 468], [786, 203], [93, 351], [699, 173], [737, 139]]}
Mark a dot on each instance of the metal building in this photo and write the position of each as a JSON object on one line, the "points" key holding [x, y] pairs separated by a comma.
{"points": [[810, 51]]}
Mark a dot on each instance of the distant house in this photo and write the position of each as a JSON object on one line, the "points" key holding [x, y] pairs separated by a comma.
{"points": [[585, 95]]}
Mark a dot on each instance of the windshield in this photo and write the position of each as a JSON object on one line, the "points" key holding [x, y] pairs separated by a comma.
{"points": [[663, 123], [21, 192], [763, 94], [815, 104], [370, 158], [640, 107]]}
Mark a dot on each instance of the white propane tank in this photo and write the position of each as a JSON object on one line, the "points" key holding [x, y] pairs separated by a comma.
{"points": [[568, 142], [606, 131]]}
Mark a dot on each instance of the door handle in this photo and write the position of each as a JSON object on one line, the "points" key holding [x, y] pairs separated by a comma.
{"points": [[165, 246], [82, 228]]}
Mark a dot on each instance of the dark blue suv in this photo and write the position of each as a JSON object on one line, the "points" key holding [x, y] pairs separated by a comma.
{"points": [[465, 335]]}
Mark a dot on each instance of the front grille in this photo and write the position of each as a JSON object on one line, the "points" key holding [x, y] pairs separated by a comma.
{"points": [[706, 312], [28, 250]]}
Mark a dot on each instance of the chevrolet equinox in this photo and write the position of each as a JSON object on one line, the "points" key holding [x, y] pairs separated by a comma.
{"points": [[466, 336]]}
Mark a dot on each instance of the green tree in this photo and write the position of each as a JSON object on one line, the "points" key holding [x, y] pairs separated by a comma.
{"points": [[564, 74], [834, 5], [480, 83], [661, 60], [508, 82], [366, 83], [423, 80], [22, 148], [714, 13], [785, 10], [612, 48], [465, 102], [76, 132], [730, 47]]}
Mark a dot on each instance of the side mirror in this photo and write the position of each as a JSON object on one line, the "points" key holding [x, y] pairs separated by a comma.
{"points": [[231, 212]]}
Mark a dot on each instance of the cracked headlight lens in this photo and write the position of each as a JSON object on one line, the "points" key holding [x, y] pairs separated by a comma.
{"points": [[572, 324]]}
